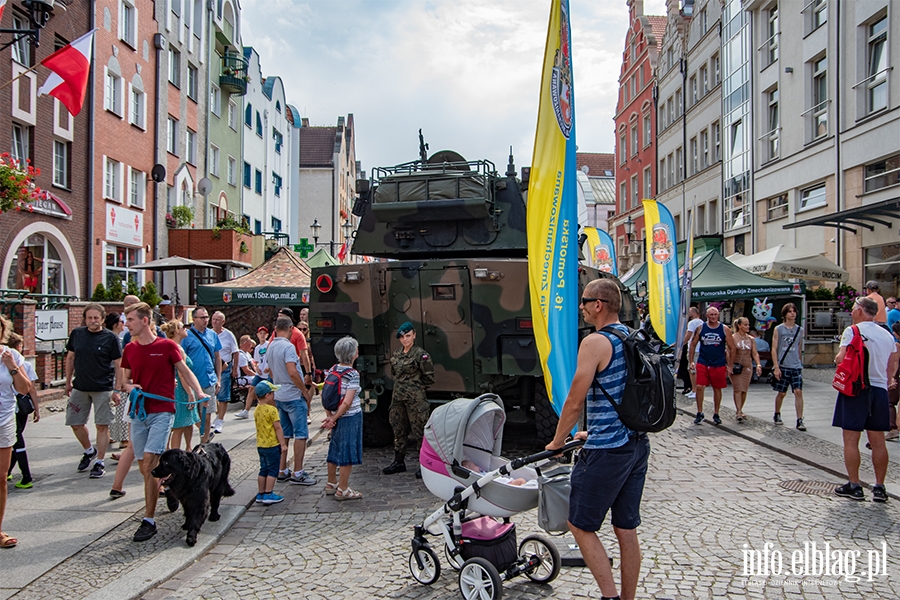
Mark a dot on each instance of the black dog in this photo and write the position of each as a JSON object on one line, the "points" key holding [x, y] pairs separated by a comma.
{"points": [[198, 480]]}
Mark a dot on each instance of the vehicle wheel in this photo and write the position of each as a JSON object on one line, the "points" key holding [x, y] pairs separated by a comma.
{"points": [[377, 431], [451, 560], [431, 568], [545, 418], [479, 579], [535, 545]]}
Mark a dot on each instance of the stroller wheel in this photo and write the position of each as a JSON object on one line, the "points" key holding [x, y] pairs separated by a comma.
{"points": [[431, 568], [479, 580], [535, 545], [451, 560]]}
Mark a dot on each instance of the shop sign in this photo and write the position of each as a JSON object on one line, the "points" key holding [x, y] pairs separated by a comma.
{"points": [[51, 325], [48, 204], [124, 226]]}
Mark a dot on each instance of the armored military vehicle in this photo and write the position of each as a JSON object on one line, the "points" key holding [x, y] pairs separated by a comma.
{"points": [[454, 233]]}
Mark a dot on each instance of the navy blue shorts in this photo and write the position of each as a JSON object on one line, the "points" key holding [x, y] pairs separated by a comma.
{"points": [[870, 411], [610, 478], [789, 377], [269, 461]]}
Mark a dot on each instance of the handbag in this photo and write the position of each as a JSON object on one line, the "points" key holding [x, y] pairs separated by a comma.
{"points": [[738, 369], [553, 499], [24, 404]]}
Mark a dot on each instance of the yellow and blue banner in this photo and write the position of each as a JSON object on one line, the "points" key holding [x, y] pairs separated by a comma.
{"points": [[662, 271], [552, 217], [602, 255], [687, 279]]}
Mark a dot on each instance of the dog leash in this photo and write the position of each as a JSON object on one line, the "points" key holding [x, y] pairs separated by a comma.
{"points": [[138, 410]]}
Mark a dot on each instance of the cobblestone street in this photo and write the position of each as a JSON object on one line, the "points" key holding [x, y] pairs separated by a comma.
{"points": [[711, 498]]}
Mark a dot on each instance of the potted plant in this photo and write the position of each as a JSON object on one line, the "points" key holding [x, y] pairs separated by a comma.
{"points": [[17, 188], [182, 216]]}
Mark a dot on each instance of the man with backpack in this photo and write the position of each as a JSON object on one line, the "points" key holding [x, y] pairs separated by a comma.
{"points": [[869, 409], [612, 466]]}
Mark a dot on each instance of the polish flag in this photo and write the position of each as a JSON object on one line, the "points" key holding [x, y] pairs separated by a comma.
{"points": [[342, 253], [2, 6], [70, 66]]}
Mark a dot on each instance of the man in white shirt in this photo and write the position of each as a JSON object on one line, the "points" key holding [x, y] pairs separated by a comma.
{"points": [[694, 325], [229, 355], [869, 410]]}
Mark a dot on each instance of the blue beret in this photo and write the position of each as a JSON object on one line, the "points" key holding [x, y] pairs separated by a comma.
{"points": [[405, 328]]}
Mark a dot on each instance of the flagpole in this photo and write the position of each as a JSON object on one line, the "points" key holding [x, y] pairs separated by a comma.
{"points": [[14, 79]]}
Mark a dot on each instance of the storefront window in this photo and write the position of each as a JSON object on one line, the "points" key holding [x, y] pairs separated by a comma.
{"points": [[883, 265], [37, 267], [120, 262]]}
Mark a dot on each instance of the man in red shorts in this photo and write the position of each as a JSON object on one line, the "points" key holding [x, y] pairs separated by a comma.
{"points": [[716, 352]]}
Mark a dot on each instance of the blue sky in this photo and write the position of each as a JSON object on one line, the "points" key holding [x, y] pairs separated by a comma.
{"points": [[466, 71]]}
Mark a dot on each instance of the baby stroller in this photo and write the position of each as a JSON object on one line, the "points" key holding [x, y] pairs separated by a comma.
{"points": [[478, 538]]}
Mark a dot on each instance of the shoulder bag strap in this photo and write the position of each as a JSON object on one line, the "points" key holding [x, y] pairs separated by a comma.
{"points": [[788, 349], [205, 345], [596, 384]]}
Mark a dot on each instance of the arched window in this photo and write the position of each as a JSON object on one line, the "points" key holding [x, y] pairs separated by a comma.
{"points": [[248, 115], [37, 267]]}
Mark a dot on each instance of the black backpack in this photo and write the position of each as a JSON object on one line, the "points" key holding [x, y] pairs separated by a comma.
{"points": [[332, 396], [648, 401]]}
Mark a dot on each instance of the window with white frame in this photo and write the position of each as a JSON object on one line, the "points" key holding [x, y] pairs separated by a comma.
{"points": [[232, 114], [812, 197], [138, 107], [174, 67], [704, 149], [191, 146], [248, 115], [773, 126], [770, 46], [276, 181], [623, 196], [21, 143], [883, 173], [679, 103], [192, 82], [172, 136], [662, 117], [662, 181], [777, 207], [819, 111], [137, 187], [634, 140], [232, 170], [61, 163], [679, 165], [21, 48], [128, 23], [215, 100], [623, 149], [670, 111], [258, 181], [648, 183], [279, 140], [248, 175], [694, 91], [635, 192], [816, 14], [648, 133], [716, 69], [120, 263], [671, 162], [876, 81], [625, 94], [695, 156], [702, 19], [717, 141], [704, 80], [112, 184], [214, 160], [112, 99]]}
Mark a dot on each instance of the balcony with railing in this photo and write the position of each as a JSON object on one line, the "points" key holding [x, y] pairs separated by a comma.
{"points": [[234, 77]]}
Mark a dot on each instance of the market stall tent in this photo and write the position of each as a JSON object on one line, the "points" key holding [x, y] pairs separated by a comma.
{"points": [[283, 280], [781, 262]]}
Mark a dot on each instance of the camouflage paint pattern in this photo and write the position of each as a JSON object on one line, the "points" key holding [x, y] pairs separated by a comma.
{"points": [[413, 373]]}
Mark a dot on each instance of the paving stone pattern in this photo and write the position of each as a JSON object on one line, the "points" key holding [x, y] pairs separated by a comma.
{"points": [[708, 494]]}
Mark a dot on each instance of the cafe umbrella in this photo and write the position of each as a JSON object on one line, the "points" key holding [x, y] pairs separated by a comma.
{"points": [[175, 263]]}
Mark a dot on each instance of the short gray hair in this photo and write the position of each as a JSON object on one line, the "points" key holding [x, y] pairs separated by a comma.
{"points": [[283, 323], [345, 349], [869, 306]]}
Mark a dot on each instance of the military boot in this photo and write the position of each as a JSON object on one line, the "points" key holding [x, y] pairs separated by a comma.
{"points": [[398, 466]]}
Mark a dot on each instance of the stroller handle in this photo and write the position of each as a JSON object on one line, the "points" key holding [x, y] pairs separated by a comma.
{"points": [[518, 463]]}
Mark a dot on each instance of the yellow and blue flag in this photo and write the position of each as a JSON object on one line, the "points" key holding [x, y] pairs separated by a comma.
{"points": [[600, 245], [552, 217], [662, 271]]}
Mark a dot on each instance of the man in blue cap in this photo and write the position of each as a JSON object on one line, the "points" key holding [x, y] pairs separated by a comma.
{"points": [[413, 373]]}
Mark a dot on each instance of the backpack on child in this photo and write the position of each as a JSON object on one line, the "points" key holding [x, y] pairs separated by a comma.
{"points": [[332, 395], [648, 401], [851, 376]]}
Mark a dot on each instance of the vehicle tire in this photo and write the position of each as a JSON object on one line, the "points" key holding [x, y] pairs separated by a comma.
{"points": [[377, 431], [536, 545], [451, 560], [545, 418], [479, 579], [431, 567]]}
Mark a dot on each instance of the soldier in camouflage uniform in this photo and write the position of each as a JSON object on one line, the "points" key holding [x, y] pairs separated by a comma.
{"points": [[413, 373]]}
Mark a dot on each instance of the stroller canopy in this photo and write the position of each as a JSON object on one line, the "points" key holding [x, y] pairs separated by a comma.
{"points": [[474, 422]]}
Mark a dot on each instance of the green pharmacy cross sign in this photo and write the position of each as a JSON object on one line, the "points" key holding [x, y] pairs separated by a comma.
{"points": [[304, 248]]}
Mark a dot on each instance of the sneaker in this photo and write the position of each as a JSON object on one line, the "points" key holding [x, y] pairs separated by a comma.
{"points": [[86, 460], [217, 425], [309, 420], [271, 498], [283, 476], [800, 425], [116, 494], [244, 414], [24, 486], [777, 419], [893, 434], [848, 490], [717, 419], [692, 395], [98, 471], [146, 531], [259, 498], [699, 418], [879, 494], [302, 478]]}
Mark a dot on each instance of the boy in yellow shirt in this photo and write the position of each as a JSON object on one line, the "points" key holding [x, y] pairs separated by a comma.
{"points": [[270, 442]]}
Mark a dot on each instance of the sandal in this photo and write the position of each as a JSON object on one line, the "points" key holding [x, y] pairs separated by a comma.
{"points": [[7, 541], [115, 456], [330, 488], [347, 494]]}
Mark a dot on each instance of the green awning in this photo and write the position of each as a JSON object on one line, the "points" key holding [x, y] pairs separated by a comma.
{"points": [[282, 280]]}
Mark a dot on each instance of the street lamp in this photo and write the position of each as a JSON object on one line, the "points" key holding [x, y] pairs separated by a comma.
{"points": [[39, 12], [629, 229], [347, 228], [315, 227]]}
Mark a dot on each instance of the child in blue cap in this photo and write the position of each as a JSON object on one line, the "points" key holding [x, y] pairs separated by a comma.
{"points": [[269, 442]]}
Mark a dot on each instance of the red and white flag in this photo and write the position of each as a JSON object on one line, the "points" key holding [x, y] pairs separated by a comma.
{"points": [[71, 67], [342, 253], [2, 6]]}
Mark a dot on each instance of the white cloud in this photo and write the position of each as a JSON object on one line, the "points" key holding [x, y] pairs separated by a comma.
{"points": [[466, 71]]}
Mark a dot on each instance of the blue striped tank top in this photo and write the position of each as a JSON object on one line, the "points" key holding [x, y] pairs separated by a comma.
{"points": [[605, 430]]}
